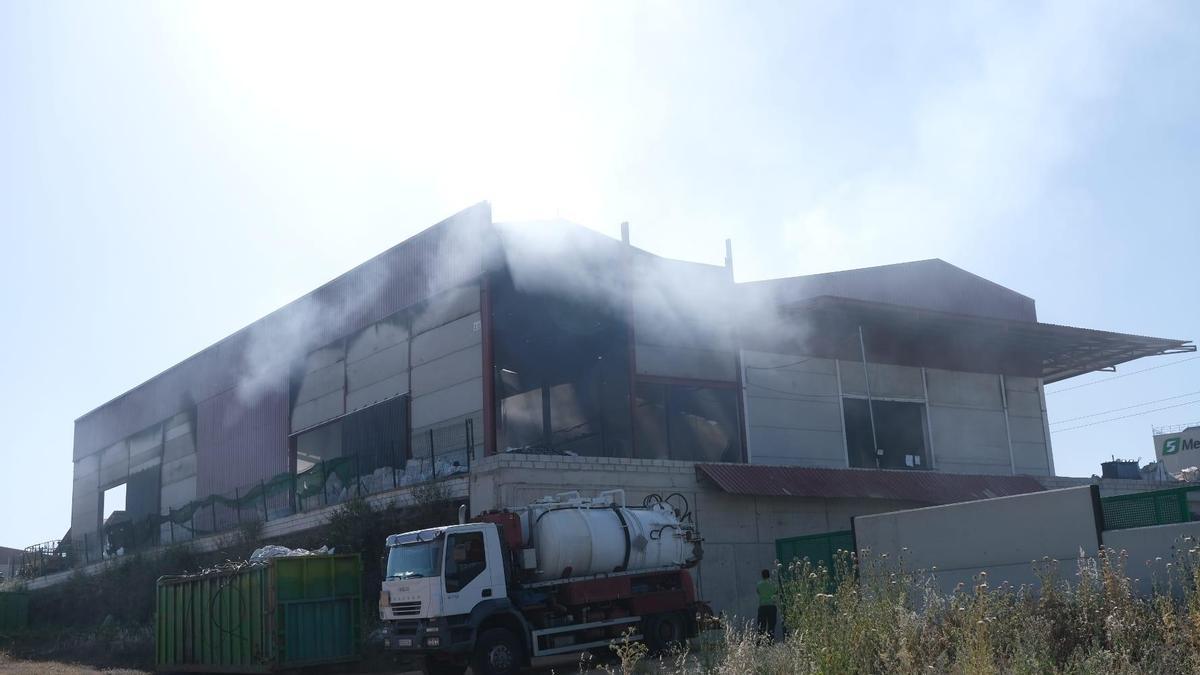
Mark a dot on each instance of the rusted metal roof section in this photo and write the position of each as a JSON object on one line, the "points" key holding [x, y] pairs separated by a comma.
{"points": [[924, 487]]}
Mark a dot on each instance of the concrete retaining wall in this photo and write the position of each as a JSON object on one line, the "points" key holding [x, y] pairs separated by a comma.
{"points": [[1001, 536]]}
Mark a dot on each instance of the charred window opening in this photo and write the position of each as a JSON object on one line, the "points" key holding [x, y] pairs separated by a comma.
{"points": [[562, 373], [374, 437], [687, 422], [899, 441]]}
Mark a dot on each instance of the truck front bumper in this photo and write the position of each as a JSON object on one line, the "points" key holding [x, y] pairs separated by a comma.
{"points": [[438, 634]]}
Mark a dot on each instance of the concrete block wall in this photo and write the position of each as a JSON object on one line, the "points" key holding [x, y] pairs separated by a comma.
{"points": [[739, 531]]}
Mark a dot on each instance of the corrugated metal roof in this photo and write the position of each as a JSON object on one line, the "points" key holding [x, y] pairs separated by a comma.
{"points": [[925, 487]]}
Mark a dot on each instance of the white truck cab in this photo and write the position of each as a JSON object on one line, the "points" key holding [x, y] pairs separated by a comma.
{"points": [[441, 571]]}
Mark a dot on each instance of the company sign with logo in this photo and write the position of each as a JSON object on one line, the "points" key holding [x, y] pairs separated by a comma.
{"points": [[1180, 450]]}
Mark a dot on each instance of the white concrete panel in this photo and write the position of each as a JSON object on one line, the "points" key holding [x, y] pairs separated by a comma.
{"points": [[377, 337], [789, 363], [146, 441], [1026, 429], [179, 469], [446, 339], [817, 414], [965, 436], [725, 518], [1030, 459], [114, 464], [88, 464], [178, 493], [887, 381], [320, 410], [790, 383], [321, 382], [446, 307], [448, 370], [796, 447], [700, 364], [992, 534], [778, 518], [180, 445], [1151, 549], [448, 403], [377, 366], [1027, 403], [324, 357], [975, 390], [178, 425], [379, 391]]}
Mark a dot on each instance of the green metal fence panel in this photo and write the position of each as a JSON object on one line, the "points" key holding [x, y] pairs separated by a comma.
{"points": [[289, 613], [816, 548], [1144, 509], [14, 612]]}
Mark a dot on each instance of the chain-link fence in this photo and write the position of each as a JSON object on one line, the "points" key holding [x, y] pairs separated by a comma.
{"points": [[435, 453]]}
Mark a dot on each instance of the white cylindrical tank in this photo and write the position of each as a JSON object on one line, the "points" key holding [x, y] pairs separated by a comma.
{"points": [[580, 537]]}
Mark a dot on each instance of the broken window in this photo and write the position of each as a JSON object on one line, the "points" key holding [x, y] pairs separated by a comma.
{"points": [[687, 422], [562, 373], [374, 437], [899, 438]]}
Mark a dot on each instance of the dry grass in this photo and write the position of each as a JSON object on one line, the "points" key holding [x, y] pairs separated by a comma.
{"points": [[886, 619], [18, 667]]}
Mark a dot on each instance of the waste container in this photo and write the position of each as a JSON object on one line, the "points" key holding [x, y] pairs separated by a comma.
{"points": [[289, 612]]}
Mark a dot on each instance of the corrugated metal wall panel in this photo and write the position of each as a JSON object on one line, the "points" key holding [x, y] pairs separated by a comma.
{"points": [[448, 254], [238, 442]]}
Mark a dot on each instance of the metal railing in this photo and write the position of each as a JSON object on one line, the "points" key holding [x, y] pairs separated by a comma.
{"points": [[435, 454]]}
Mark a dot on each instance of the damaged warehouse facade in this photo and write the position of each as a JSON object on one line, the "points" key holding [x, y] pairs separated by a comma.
{"points": [[519, 362]]}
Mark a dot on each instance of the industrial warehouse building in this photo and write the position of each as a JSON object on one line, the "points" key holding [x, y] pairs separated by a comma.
{"points": [[514, 362]]}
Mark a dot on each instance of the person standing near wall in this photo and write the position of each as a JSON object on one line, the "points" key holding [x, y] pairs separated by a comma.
{"points": [[768, 613]]}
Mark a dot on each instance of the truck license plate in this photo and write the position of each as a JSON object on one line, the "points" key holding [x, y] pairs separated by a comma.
{"points": [[403, 642]]}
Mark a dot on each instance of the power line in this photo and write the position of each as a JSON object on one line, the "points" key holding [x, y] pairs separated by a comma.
{"points": [[1128, 407], [1117, 377], [1124, 417]]}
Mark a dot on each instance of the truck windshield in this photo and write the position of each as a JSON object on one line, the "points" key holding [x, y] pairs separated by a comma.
{"points": [[418, 559]]}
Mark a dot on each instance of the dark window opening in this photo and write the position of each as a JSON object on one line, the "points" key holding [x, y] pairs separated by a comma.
{"points": [[687, 422], [562, 373], [465, 560], [899, 438], [372, 438]]}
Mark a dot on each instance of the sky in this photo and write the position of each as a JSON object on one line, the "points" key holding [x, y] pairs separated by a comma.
{"points": [[170, 172]]}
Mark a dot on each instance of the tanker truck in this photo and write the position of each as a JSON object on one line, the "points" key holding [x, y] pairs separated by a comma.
{"points": [[563, 575]]}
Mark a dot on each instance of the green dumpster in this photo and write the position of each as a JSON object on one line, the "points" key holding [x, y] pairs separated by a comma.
{"points": [[290, 612], [14, 611]]}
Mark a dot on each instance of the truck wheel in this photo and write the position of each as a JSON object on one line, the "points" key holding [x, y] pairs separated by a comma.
{"points": [[497, 652], [663, 631]]}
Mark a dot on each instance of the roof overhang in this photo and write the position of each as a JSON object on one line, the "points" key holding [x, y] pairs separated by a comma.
{"points": [[895, 333], [923, 487]]}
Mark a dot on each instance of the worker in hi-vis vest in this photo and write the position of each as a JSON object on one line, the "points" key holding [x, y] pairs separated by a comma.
{"points": [[768, 613]]}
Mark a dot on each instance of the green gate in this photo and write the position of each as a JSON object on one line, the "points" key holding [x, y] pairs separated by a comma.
{"points": [[818, 549]]}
